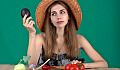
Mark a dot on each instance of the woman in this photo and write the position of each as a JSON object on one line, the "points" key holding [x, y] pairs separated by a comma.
{"points": [[59, 20]]}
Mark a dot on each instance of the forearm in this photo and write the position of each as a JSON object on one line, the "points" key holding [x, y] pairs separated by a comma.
{"points": [[98, 64], [32, 48]]}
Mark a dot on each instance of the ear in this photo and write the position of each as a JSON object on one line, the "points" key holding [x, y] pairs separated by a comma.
{"points": [[68, 18], [68, 21]]}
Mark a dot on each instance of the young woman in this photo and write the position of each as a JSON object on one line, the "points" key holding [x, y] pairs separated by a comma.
{"points": [[59, 20]]}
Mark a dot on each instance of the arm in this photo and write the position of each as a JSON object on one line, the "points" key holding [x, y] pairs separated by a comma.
{"points": [[92, 54], [34, 48], [35, 41]]}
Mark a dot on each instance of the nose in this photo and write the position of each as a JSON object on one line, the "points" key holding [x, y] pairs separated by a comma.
{"points": [[59, 16]]}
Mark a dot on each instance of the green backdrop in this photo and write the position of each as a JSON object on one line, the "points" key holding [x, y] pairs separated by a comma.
{"points": [[100, 26]]}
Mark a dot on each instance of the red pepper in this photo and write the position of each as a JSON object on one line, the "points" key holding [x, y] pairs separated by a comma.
{"points": [[45, 67]]}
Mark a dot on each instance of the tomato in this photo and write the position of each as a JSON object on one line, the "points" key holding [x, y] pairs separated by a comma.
{"points": [[74, 67], [67, 67], [81, 66], [78, 66]]}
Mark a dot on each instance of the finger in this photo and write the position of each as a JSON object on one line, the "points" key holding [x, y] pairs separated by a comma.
{"points": [[33, 23], [76, 61], [24, 18], [25, 24], [80, 61], [27, 20], [73, 61], [29, 24]]}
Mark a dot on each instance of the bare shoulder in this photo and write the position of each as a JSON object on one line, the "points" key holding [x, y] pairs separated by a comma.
{"points": [[40, 38], [82, 40], [80, 37]]}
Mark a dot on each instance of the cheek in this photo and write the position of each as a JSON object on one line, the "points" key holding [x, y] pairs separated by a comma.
{"points": [[66, 18], [52, 19]]}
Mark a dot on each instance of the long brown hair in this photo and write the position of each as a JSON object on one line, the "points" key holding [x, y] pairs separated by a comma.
{"points": [[70, 35]]}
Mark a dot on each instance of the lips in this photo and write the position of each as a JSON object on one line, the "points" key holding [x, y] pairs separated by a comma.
{"points": [[60, 22]]}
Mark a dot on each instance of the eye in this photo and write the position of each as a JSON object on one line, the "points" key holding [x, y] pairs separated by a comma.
{"points": [[53, 14], [62, 12]]}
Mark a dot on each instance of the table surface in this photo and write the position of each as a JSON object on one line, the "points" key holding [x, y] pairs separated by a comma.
{"points": [[11, 67]]}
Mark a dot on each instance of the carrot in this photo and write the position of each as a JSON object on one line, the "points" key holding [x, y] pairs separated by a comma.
{"points": [[61, 68]]}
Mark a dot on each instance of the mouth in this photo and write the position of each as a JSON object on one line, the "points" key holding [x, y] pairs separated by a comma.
{"points": [[60, 22]]}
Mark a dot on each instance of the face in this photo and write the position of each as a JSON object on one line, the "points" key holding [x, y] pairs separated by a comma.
{"points": [[59, 16]]}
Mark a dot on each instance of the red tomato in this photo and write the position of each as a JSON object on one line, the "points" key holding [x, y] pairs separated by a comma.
{"points": [[81, 66], [74, 67], [77, 66], [67, 67]]}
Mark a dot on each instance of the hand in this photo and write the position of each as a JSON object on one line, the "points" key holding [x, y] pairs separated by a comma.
{"points": [[75, 62], [29, 25], [85, 65]]}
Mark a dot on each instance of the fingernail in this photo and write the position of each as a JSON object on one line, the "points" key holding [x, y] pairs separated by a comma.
{"points": [[26, 13]]}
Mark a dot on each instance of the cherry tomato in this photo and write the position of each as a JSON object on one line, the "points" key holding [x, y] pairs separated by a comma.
{"points": [[67, 67]]}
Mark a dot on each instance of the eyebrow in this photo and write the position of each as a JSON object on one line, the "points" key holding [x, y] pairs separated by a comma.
{"points": [[55, 11]]}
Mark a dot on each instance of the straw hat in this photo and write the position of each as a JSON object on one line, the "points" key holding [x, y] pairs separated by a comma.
{"points": [[44, 4]]}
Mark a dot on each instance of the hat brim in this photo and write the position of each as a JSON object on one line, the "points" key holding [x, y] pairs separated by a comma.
{"points": [[44, 4]]}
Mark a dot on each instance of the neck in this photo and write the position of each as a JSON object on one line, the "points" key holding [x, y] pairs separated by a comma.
{"points": [[60, 39], [60, 32]]}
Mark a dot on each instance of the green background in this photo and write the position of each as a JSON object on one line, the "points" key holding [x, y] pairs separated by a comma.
{"points": [[100, 26]]}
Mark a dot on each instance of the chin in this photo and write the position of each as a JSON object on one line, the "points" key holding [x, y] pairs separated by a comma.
{"points": [[62, 26]]}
